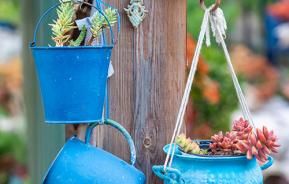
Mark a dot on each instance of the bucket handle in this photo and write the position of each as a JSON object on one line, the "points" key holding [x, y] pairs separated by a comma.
{"points": [[120, 128], [171, 175], [268, 164], [33, 44]]}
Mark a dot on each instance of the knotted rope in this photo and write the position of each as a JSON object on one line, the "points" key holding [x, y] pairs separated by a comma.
{"points": [[215, 22]]}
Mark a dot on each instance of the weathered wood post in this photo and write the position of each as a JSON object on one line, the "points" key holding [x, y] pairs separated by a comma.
{"points": [[146, 90]]}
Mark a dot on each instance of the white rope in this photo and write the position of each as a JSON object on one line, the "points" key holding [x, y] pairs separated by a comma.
{"points": [[244, 106], [218, 26], [189, 84]]}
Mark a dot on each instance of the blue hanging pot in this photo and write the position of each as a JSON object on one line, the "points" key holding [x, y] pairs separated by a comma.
{"points": [[201, 169], [79, 162], [72, 80]]}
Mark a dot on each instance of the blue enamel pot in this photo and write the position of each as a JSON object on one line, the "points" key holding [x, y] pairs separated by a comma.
{"points": [[79, 162], [198, 169], [72, 80]]}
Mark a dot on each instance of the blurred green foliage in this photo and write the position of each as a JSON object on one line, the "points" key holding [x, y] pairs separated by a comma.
{"points": [[13, 144], [216, 115], [195, 14], [10, 11]]}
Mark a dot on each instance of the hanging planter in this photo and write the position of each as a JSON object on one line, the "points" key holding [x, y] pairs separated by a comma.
{"points": [[73, 78], [200, 169], [232, 157], [236, 157], [79, 162]]}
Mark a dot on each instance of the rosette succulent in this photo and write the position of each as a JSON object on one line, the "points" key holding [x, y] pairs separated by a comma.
{"points": [[224, 144], [259, 144], [242, 139]]}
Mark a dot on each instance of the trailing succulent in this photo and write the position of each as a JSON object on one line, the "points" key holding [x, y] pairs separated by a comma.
{"points": [[241, 140], [65, 23]]}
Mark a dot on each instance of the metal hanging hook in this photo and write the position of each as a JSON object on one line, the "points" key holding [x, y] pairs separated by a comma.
{"points": [[215, 6]]}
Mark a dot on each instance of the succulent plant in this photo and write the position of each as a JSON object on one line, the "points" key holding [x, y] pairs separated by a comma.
{"points": [[63, 24], [98, 22], [188, 146], [242, 129], [224, 144], [242, 139], [80, 38], [259, 144]]}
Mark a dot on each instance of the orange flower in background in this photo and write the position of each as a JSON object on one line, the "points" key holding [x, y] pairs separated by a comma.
{"points": [[257, 71], [10, 86], [211, 92], [204, 131], [209, 88], [203, 68], [280, 10], [11, 73]]}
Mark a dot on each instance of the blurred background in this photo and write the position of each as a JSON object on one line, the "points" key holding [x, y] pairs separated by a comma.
{"points": [[258, 38]]}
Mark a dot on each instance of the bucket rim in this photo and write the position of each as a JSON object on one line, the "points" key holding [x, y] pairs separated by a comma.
{"points": [[33, 47], [64, 122], [204, 157]]}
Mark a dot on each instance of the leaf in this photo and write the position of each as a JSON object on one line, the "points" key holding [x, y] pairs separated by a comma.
{"points": [[63, 24]]}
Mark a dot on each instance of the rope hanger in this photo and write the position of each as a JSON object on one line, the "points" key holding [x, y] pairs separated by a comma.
{"points": [[213, 21]]}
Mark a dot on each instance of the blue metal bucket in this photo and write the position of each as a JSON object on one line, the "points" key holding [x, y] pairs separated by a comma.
{"points": [[198, 169], [72, 80], [80, 163]]}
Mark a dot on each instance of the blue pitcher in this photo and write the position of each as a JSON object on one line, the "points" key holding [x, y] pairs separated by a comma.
{"points": [[79, 162], [201, 169], [72, 80]]}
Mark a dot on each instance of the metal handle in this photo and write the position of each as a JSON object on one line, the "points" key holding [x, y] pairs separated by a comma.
{"points": [[120, 128], [216, 5], [268, 164], [33, 44], [99, 2], [171, 175]]}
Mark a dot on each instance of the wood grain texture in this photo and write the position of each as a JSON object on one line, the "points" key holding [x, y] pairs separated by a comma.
{"points": [[146, 90]]}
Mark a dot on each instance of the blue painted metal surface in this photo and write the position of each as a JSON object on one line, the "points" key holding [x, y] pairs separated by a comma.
{"points": [[72, 80], [197, 169], [79, 163]]}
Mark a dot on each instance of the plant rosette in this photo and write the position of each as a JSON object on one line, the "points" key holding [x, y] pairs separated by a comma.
{"points": [[73, 74], [238, 156]]}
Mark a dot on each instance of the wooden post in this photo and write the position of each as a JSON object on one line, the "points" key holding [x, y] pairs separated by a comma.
{"points": [[146, 90]]}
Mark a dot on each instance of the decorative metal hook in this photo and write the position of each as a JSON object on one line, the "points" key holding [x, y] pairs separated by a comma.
{"points": [[136, 12], [216, 5]]}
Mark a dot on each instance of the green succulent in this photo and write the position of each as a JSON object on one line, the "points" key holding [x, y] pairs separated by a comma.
{"points": [[80, 38], [98, 22], [189, 146], [63, 24]]}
